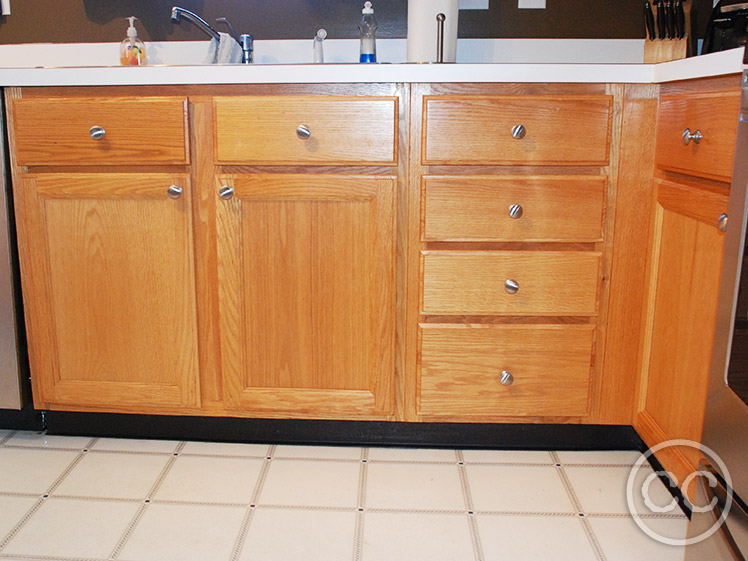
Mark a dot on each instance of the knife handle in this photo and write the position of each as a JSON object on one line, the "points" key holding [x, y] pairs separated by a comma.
{"points": [[649, 21], [661, 32], [680, 19], [669, 19]]}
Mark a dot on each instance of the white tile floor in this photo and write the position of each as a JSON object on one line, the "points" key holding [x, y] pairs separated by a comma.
{"points": [[88, 499]]}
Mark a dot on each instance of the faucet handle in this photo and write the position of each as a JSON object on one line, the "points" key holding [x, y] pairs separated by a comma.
{"points": [[232, 31], [247, 43]]}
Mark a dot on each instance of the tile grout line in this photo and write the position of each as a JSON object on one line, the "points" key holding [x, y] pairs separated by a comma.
{"points": [[17, 528], [8, 436], [358, 530], [128, 531], [21, 523], [28, 557], [537, 513], [241, 538], [591, 537], [650, 516], [468, 498], [164, 472], [141, 511]]}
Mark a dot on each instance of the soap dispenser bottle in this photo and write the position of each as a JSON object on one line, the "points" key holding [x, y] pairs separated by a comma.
{"points": [[132, 49], [368, 28]]}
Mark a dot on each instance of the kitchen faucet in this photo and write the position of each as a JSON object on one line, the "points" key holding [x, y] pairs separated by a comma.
{"points": [[246, 41]]}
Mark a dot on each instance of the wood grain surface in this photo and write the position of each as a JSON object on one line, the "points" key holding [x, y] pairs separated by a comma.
{"points": [[344, 130], [477, 129], [472, 283], [110, 281], [681, 312], [715, 115], [307, 292], [139, 131], [476, 208], [461, 367]]}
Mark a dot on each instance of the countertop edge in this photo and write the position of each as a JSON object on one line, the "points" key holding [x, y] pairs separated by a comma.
{"points": [[715, 64]]}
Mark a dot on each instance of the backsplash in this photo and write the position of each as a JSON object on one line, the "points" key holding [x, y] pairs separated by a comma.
{"points": [[89, 21]]}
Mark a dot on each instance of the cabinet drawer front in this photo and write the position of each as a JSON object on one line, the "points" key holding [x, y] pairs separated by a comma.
{"points": [[551, 283], [571, 130], [58, 131], [343, 130], [460, 208], [715, 116], [462, 365]]}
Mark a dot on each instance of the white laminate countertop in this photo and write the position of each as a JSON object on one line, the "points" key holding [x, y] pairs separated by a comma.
{"points": [[716, 64]]}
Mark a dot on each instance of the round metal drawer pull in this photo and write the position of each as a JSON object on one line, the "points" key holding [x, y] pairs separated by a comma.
{"points": [[226, 192], [506, 378], [722, 222], [519, 132], [96, 132], [303, 132], [688, 136], [515, 211], [511, 286], [174, 191]]}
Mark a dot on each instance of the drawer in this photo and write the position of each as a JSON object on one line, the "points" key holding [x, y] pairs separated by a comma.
{"points": [[552, 208], [551, 283], [57, 131], [562, 130], [461, 369], [343, 130], [715, 116]]}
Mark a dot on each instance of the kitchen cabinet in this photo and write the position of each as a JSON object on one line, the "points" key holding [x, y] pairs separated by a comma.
{"points": [[422, 252], [690, 194], [510, 249], [229, 255], [106, 256]]}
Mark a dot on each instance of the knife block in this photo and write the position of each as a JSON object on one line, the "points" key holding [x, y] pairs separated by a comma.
{"points": [[662, 50]]}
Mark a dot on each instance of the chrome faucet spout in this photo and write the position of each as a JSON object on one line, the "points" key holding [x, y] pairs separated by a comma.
{"points": [[177, 13]]}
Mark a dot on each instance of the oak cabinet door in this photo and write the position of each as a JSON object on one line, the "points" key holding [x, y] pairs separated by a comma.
{"points": [[307, 293], [109, 287], [685, 266]]}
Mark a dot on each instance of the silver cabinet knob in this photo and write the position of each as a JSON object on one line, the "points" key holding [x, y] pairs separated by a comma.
{"points": [[688, 136], [226, 192], [506, 378], [174, 191], [96, 132], [722, 222], [303, 132], [519, 132], [511, 286], [516, 211]]}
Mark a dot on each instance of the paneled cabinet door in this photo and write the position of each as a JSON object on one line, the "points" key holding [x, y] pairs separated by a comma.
{"points": [[307, 293], [109, 290], [685, 266]]}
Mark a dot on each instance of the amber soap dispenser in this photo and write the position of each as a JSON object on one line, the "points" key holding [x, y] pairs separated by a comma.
{"points": [[132, 49]]}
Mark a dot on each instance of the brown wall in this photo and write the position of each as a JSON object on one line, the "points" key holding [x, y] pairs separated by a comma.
{"points": [[86, 21]]}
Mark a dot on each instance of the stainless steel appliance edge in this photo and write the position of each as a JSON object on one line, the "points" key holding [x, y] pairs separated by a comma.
{"points": [[11, 395]]}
